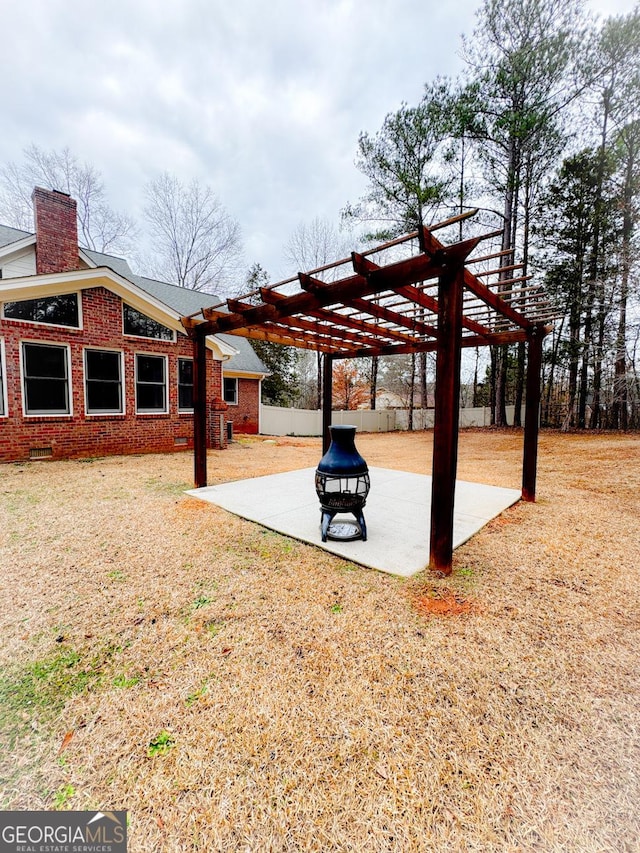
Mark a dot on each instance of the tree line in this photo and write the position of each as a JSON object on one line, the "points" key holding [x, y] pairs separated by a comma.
{"points": [[192, 240], [541, 133]]}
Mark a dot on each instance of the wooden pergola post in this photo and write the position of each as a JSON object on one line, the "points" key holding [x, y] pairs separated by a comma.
{"points": [[200, 410], [327, 399], [445, 434], [532, 415]]}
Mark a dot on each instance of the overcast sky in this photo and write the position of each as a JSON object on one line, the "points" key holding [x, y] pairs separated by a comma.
{"points": [[263, 101]]}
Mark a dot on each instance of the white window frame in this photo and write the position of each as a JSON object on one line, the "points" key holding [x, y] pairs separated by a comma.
{"points": [[179, 359], [38, 323], [106, 412], [145, 337], [23, 380], [3, 382], [234, 379], [165, 358]]}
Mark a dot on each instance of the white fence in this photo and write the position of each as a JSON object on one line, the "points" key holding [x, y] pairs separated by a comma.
{"points": [[277, 421], [479, 417]]}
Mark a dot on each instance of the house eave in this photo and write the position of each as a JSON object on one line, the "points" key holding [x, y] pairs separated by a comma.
{"points": [[244, 374], [54, 284], [87, 260], [18, 245], [226, 349]]}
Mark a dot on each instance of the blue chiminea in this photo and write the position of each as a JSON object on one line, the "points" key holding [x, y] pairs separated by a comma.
{"points": [[342, 484]]}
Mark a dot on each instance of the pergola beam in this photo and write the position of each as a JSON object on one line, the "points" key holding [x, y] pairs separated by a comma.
{"points": [[495, 338], [416, 268], [413, 294], [501, 270], [288, 337], [326, 325], [384, 313], [423, 303], [429, 302], [320, 288], [478, 288], [491, 256]]}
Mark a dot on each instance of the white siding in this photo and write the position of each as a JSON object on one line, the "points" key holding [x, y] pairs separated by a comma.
{"points": [[21, 264]]}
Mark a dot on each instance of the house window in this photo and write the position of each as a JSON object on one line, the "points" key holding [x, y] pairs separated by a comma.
{"points": [[138, 324], [46, 379], [3, 385], [231, 391], [53, 310], [103, 382], [185, 384], [151, 384]]}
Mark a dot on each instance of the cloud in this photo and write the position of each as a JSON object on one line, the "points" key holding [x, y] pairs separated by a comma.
{"points": [[263, 101]]}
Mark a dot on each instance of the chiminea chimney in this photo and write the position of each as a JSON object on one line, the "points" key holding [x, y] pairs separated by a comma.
{"points": [[56, 231]]}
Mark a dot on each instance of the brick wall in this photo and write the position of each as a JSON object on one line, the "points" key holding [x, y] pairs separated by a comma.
{"points": [[245, 415], [97, 435], [56, 223]]}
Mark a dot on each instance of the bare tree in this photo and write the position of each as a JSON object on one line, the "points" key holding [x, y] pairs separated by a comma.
{"points": [[310, 246], [316, 243], [99, 226], [196, 243]]}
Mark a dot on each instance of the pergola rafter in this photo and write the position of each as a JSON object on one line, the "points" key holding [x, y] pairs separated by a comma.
{"points": [[429, 300]]}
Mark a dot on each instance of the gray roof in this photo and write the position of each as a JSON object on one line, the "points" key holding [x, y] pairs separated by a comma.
{"points": [[247, 360], [12, 235], [184, 301], [118, 265]]}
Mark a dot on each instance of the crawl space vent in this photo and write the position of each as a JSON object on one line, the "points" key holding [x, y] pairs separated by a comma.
{"points": [[40, 453]]}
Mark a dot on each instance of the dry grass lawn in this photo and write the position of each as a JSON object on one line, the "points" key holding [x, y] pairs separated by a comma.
{"points": [[235, 690]]}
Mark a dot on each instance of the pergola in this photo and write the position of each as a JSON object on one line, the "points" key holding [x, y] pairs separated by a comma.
{"points": [[410, 295]]}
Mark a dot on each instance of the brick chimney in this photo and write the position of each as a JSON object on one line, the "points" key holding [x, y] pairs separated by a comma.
{"points": [[56, 231]]}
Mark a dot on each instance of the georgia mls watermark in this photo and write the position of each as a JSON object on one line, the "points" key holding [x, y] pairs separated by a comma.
{"points": [[63, 832]]}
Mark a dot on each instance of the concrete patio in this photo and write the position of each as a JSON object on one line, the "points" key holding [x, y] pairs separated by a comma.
{"points": [[397, 514]]}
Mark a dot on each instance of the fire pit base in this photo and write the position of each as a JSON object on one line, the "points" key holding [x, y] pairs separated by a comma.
{"points": [[342, 530]]}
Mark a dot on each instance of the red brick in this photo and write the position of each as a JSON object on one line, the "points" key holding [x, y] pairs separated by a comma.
{"points": [[100, 435], [244, 415], [56, 223]]}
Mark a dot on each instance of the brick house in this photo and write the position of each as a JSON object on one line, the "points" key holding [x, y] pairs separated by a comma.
{"points": [[94, 359]]}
